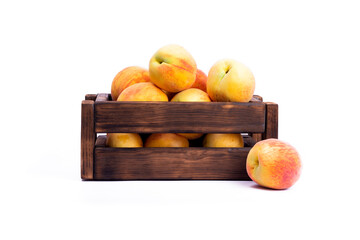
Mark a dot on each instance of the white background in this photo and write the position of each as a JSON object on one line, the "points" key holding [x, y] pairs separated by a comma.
{"points": [[305, 56]]}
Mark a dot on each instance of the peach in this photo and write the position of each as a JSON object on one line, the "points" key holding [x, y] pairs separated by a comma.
{"points": [[228, 140], [143, 92], [166, 140], [200, 80], [127, 77], [230, 81], [191, 95], [273, 164], [172, 68], [124, 140]]}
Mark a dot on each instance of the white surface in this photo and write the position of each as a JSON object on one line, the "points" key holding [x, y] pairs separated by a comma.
{"points": [[304, 55]]}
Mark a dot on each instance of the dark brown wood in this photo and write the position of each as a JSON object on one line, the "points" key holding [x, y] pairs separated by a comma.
{"points": [[88, 136], [170, 163], [90, 97], [249, 141], [257, 137], [102, 97], [271, 125], [174, 117]]}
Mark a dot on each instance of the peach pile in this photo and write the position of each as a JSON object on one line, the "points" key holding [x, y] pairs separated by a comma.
{"points": [[173, 76]]}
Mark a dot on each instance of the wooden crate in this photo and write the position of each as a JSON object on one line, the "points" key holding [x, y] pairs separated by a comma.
{"points": [[257, 119]]}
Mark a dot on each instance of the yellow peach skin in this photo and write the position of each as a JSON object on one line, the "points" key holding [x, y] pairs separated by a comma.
{"points": [[166, 140], [200, 81], [143, 92], [230, 81], [127, 77], [229, 140], [172, 68], [273, 164], [124, 140], [191, 95]]}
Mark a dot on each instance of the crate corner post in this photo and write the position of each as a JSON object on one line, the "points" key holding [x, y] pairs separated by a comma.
{"points": [[88, 137], [271, 120]]}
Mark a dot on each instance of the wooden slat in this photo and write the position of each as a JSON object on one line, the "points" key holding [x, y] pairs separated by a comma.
{"points": [[87, 139], [153, 117], [170, 163], [271, 125]]}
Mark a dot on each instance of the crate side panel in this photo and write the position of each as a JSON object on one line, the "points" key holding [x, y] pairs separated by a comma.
{"points": [[170, 163], [151, 117]]}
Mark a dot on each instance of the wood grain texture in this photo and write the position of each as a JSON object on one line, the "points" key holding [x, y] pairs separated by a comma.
{"points": [[87, 139], [271, 125], [174, 117], [256, 137], [90, 97], [170, 163]]}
